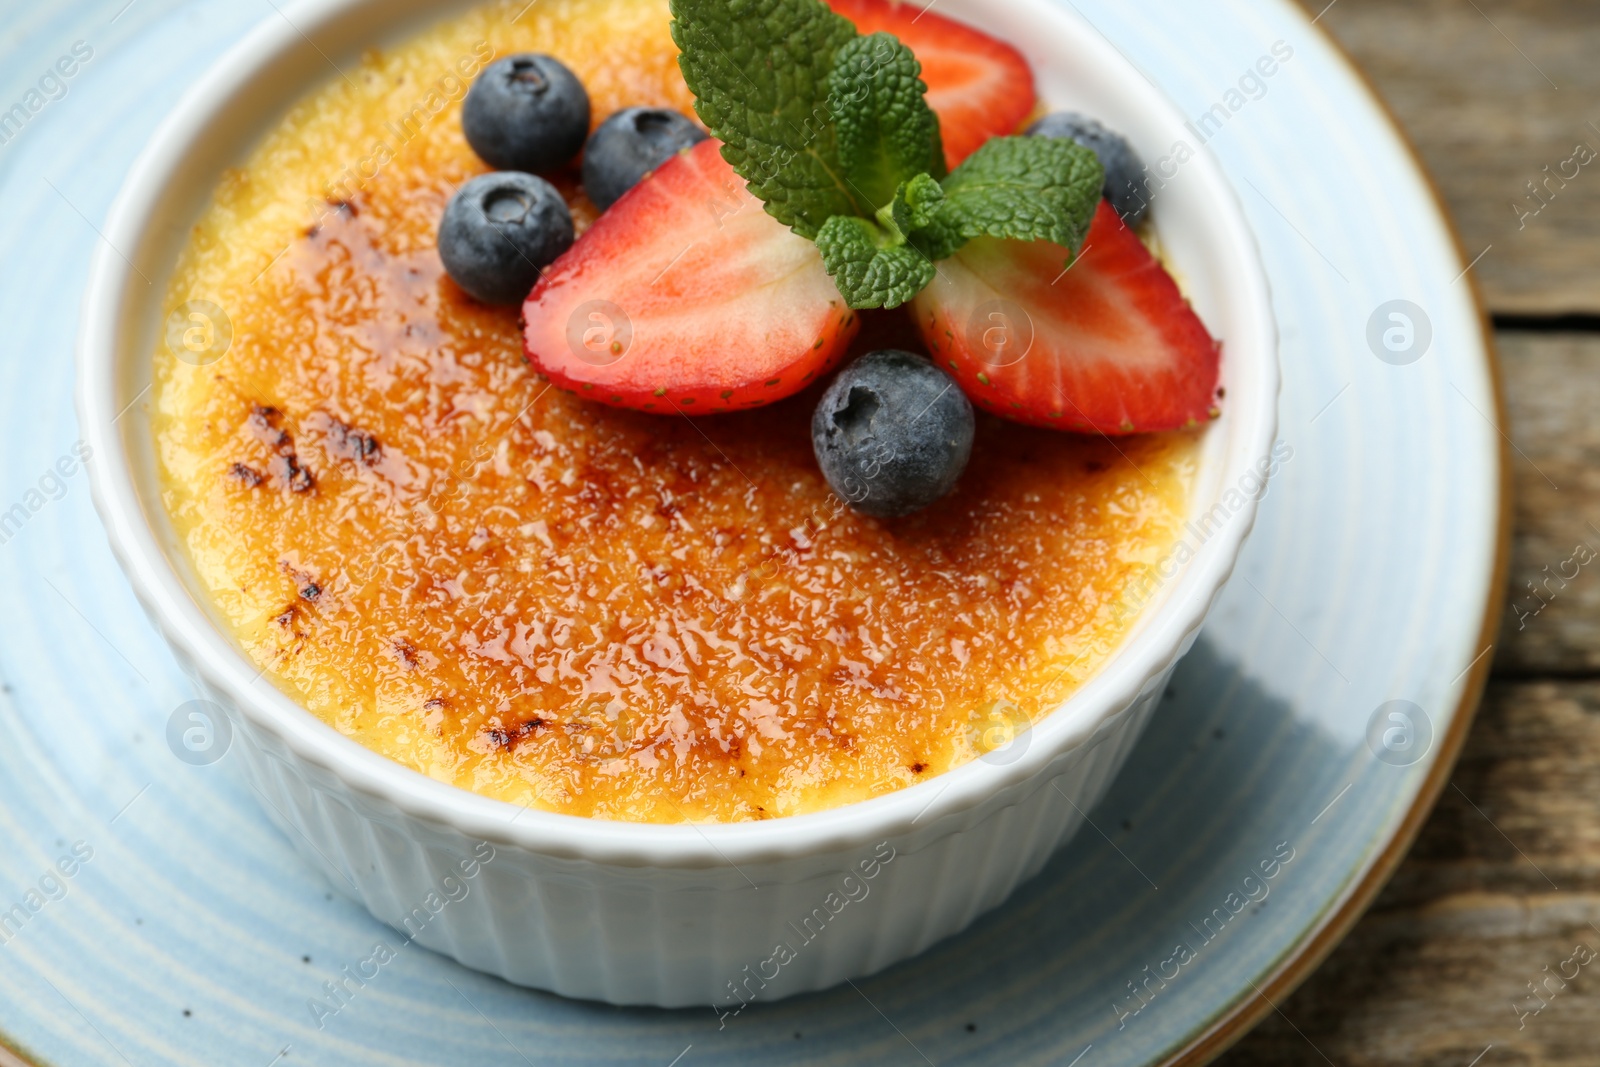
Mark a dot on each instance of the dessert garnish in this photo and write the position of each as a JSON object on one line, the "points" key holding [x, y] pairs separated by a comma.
{"points": [[833, 132], [880, 461], [727, 270], [686, 296], [526, 112], [499, 229], [1109, 345], [629, 145]]}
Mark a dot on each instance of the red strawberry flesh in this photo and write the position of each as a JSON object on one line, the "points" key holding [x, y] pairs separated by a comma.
{"points": [[686, 295], [1111, 344]]}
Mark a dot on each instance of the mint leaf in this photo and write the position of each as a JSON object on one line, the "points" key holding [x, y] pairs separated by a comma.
{"points": [[1021, 188], [887, 133], [759, 70], [871, 267], [916, 204]]}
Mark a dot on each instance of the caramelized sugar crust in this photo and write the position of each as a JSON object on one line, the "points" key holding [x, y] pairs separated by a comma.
{"points": [[563, 605]]}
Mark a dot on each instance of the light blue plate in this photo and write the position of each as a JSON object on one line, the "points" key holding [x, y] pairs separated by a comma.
{"points": [[194, 935]]}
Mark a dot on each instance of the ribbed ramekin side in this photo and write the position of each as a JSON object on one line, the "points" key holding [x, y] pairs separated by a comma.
{"points": [[675, 938]]}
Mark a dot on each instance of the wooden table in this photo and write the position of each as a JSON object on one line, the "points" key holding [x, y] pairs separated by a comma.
{"points": [[1504, 882]]}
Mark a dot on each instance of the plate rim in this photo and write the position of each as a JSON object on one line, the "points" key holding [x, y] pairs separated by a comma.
{"points": [[1303, 958]]}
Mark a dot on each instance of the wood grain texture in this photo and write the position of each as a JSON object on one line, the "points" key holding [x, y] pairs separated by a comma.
{"points": [[1471, 80], [1552, 623]]}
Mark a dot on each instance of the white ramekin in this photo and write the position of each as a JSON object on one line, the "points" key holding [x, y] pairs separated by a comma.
{"points": [[641, 914]]}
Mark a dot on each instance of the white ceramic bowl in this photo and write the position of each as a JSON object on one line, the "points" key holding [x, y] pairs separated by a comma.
{"points": [[645, 914]]}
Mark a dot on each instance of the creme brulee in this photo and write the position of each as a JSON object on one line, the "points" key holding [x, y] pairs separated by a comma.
{"points": [[569, 606]]}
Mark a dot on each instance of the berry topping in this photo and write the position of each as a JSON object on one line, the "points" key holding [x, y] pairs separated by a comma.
{"points": [[892, 433], [631, 144], [833, 130], [498, 232], [687, 296], [1124, 172], [978, 86], [1108, 344], [526, 112]]}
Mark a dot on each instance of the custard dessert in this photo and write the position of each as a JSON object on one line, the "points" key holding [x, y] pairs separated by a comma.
{"points": [[461, 555]]}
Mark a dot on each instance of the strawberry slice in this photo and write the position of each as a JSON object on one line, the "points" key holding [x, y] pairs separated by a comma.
{"points": [[979, 87], [1109, 345], [687, 296]]}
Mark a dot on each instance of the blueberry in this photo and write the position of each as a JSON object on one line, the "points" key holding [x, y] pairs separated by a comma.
{"points": [[526, 112], [631, 144], [1124, 172], [499, 230], [892, 433]]}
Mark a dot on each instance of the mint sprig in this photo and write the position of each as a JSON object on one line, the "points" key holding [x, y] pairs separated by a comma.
{"points": [[832, 132]]}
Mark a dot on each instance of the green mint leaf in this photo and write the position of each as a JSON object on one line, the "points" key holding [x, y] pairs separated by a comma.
{"points": [[759, 70], [887, 133], [1021, 188], [916, 204], [871, 267]]}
